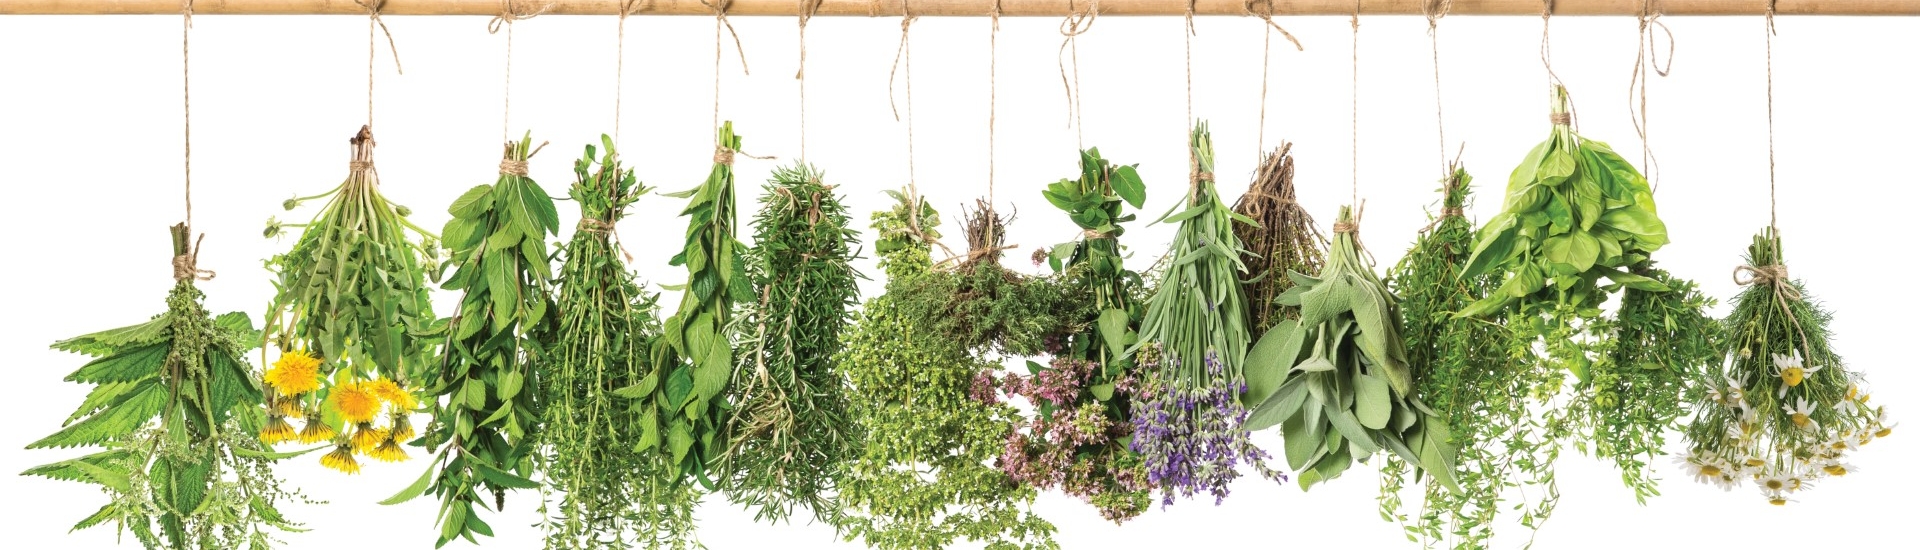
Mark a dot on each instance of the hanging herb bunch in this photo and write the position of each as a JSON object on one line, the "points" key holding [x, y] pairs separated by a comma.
{"points": [[1785, 411], [1282, 238], [1188, 411], [1077, 439], [789, 431], [1463, 371], [607, 323], [1341, 389], [983, 305], [487, 409], [174, 404], [352, 320], [681, 402], [922, 479]]}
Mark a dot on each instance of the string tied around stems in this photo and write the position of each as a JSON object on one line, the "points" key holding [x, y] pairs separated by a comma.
{"points": [[186, 264]]}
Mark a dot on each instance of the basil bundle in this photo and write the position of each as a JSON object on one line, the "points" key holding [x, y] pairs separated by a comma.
{"points": [[1575, 212], [174, 403], [1337, 381], [487, 414]]}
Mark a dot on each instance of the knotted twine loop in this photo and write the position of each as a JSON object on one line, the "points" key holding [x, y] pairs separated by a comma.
{"points": [[720, 20], [723, 155], [508, 15], [594, 226], [1266, 50], [186, 266], [1353, 228], [1265, 14], [1784, 292], [373, 19], [1560, 119], [899, 52], [513, 167], [1078, 21], [1649, 15], [506, 18]]}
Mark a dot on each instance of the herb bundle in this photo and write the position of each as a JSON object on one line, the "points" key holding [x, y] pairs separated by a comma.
{"points": [[1077, 438], [981, 304], [607, 323], [921, 478], [1188, 412], [1282, 238], [1785, 410], [680, 402], [487, 407], [352, 320], [789, 432], [174, 406], [1342, 389]]}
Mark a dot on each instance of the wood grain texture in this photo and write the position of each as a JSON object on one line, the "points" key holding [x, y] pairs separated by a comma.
{"points": [[960, 8]]}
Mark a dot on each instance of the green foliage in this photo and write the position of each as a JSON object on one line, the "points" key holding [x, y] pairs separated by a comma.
{"points": [[1346, 389], [1575, 212], [611, 498], [921, 480], [790, 433], [985, 307], [174, 409], [1199, 305], [485, 412]]}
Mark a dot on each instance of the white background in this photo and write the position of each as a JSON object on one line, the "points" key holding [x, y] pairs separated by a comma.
{"points": [[90, 142]]}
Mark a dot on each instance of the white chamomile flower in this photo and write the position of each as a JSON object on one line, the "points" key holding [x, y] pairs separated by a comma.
{"points": [[1837, 469], [1778, 499], [1791, 370], [1737, 435], [1803, 414], [1843, 443], [1845, 407], [1774, 485], [1736, 393], [1884, 424]]}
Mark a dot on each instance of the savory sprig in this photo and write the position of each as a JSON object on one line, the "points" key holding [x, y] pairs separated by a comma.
{"points": [[487, 409], [174, 404], [789, 434]]}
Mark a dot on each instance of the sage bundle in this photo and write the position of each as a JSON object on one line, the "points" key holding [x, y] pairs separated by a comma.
{"points": [[174, 407], [1187, 413], [680, 401], [1785, 411], [607, 323], [921, 478], [351, 318], [1282, 238], [1342, 389], [487, 410], [789, 433], [1076, 440]]}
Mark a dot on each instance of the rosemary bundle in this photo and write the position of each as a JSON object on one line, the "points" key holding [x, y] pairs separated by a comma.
{"points": [[1785, 411], [173, 404], [921, 478], [1188, 411], [789, 431], [485, 395], [681, 401], [610, 495], [1282, 238], [1344, 390], [351, 317]]}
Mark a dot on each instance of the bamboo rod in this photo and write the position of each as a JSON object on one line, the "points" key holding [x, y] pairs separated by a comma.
{"points": [[964, 8]]}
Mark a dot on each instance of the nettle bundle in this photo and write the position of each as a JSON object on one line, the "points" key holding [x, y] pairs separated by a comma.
{"points": [[1187, 413], [1785, 411], [485, 393], [789, 431], [351, 318], [1282, 238], [921, 478], [1337, 381], [608, 321], [174, 404], [1077, 438]]}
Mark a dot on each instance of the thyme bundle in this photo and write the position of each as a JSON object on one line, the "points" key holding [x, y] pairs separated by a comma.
{"points": [[981, 304], [352, 320], [607, 323], [921, 478], [1785, 411], [487, 409], [1187, 413], [789, 432], [173, 404], [1282, 238]]}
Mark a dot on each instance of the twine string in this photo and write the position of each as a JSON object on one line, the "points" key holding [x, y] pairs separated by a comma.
{"points": [[993, 102], [1078, 21], [505, 19], [186, 111], [1773, 194], [807, 8], [374, 20], [186, 266], [1435, 10], [1355, 130], [720, 22], [627, 7], [1546, 47], [1649, 17], [1266, 53], [1188, 37]]}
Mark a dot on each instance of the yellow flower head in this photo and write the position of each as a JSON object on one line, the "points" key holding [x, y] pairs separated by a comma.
{"points": [[1777, 500], [393, 393], [1709, 470], [1837, 469], [285, 406], [355, 402], [366, 437], [277, 430], [1884, 431], [316, 430], [341, 459], [388, 451], [402, 429], [295, 373]]}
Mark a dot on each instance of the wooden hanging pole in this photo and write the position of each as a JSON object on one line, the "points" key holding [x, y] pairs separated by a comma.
{"points": [[964, 8]]}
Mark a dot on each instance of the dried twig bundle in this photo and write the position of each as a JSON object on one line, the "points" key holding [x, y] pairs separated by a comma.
{"points": [[1285, 239]]}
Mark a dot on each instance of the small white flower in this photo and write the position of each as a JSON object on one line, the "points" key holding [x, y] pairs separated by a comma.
{"points": [[1774, 485], [1803, 415], [1735, 394], [1836, 468], [1843, 443], [1845, 407], [1791, 370]]}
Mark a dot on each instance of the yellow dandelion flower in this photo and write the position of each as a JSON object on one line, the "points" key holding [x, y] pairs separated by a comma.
{"points": [[366, 437], [355, 402], [316, 430], [295, 373], [287, 406], [388, 451], [341, 459], [402, 429], [277, 430], [393, 393]]}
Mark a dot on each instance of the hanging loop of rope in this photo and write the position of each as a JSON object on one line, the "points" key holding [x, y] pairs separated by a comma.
{"points": [[1435, 10], [1265, 14], [1266, 53], [505, 19], [374, 20], [1078, 22], [906, 28], [627, 7], [1649, 17], [720, 8]]}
